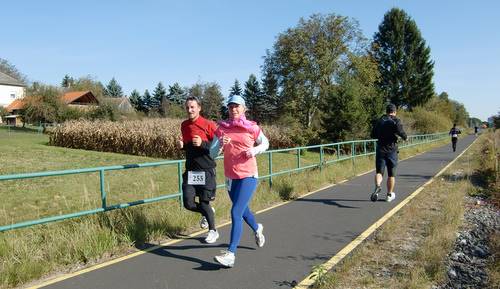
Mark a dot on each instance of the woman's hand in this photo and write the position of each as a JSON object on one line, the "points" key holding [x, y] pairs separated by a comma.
{"points": [[250, 153]]}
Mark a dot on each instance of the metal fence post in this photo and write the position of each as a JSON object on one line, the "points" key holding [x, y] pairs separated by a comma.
{"points": [[103, 191], [179, 178], [298, 158], [321, 158], [353, 154], [270, 169]]}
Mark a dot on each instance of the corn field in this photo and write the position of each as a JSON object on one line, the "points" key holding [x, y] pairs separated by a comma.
{"points": [[149, 137]]}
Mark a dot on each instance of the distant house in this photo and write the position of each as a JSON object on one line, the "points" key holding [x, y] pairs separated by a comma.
{"points": [[80, 99], [14, 109], [10, 89], [76, 99], [122, 103]]}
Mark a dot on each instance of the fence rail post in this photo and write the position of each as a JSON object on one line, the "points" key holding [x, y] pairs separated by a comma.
{"points": [[103, 190], [270, 169], [179, 178]]}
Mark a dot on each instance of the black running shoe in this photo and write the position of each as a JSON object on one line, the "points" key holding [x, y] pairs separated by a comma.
{"points": [[374, 196]]}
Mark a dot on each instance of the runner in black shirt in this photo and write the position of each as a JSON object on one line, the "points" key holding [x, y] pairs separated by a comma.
{"points": [[199, 179], [386, 131], [454, 132]]}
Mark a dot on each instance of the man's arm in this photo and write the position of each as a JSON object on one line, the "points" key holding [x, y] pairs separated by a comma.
{"points": [[400, 131]]}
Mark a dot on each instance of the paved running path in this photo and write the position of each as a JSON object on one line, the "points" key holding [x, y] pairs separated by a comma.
{"points": [[299, 235]]}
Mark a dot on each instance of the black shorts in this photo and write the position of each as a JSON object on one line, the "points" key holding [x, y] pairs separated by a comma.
{"points": [[204, 192], [386, 159]]}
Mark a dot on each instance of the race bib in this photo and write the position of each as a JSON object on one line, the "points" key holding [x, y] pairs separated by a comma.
{"points": [[454, 135], [196, 178]]}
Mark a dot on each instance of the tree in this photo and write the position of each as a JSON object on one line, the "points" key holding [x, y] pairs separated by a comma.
{"points": [[89, 83], [135, 100], [113, 89], [44, 105], [235, 89], [12, 71], [212, 101], [176, 94], [307, 58], [159, 94], [474, 121], [67, 81], [403, 60], [146, 101], [253, 98], [270, 103], [350, 107]]}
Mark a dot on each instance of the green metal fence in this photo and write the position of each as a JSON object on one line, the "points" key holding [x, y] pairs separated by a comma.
{"points": [[328, 153]]}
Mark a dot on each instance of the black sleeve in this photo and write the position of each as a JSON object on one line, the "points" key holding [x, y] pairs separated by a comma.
{"points": [[399, 130], [205, 146]]}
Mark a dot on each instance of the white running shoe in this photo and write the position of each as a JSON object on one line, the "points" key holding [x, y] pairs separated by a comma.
{"points": [[226, 259], [391, 196], [259, 236], [204, 221], [212, 236]]}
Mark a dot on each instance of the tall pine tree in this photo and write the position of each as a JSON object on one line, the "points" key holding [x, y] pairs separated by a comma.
{"points": [[270, 96], [113, 89], [176, 94], [253, 98], [67, 81], [146, 101], [159, 94], [403, 60], [135, 100], [235, 89]]}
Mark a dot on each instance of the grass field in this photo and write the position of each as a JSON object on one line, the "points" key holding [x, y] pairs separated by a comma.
{"points": [[31, 253]]}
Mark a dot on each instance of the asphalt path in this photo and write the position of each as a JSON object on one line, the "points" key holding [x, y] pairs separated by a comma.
{"points": [[299, 235]]}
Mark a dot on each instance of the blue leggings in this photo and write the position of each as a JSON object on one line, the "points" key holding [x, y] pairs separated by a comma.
{"points": [[241, 192]]}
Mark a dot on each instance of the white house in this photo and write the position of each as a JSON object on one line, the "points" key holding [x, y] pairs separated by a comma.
{"points": [[10, 89]]}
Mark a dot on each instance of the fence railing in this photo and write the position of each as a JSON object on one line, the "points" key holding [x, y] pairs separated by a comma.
{"points": [[334, 151]]}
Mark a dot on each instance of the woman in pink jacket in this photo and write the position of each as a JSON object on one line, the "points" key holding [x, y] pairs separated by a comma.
{"points": [[241, 141]]}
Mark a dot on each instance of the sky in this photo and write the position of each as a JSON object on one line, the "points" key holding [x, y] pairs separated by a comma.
{"points": [[141, 43]]}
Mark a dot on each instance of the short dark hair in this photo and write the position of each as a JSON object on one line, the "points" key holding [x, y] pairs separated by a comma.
{"points": [[390, 108], [193, 98]]}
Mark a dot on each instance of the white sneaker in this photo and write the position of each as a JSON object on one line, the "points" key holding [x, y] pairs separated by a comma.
{"points": [[226, 259], [212, 236], [391, 196], [259, 236], [204, 221]]}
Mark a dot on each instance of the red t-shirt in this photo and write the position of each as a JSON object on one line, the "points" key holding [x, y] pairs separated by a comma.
{"points": [[201, 126]]}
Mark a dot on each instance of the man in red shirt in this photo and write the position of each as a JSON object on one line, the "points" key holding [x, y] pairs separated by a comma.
{"points": [[199, 179]]}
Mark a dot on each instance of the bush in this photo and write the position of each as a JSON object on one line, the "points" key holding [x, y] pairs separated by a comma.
{"points": [[422, 121], [285, 190]]}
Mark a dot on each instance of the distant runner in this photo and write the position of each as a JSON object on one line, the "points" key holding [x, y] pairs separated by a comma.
{"points": [[454, 132], [386, 130]]}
